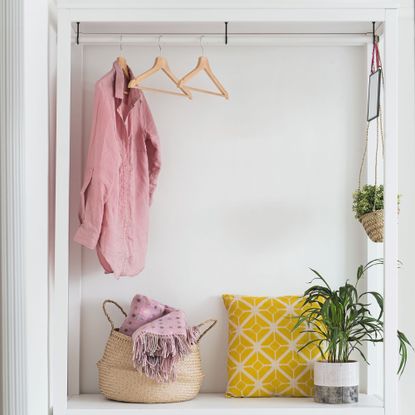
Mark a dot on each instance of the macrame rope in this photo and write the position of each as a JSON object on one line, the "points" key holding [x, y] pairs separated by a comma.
{"points": [[382, 137], [364, 156], [376, 163]]}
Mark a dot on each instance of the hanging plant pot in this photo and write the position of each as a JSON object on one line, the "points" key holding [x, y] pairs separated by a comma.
{"points": [[373, 223], [336, 383], [368, 207]]}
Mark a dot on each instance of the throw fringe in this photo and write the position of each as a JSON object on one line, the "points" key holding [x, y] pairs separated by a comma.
{"points": [[157, 355]]}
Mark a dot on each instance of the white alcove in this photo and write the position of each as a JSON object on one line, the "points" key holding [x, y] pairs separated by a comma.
{"points": [[252, 191]]}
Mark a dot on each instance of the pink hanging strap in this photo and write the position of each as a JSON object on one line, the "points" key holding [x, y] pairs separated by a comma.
{"points": [[376, 61]]}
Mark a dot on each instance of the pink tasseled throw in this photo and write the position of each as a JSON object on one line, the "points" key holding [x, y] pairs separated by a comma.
{"points": [[160, 336]]}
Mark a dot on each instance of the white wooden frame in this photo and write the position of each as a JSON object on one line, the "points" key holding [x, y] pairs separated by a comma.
{"points": [[24, 146], [246, 11]]}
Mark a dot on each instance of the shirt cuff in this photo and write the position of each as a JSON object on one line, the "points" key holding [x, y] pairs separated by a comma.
{"points": [[86, 238]]}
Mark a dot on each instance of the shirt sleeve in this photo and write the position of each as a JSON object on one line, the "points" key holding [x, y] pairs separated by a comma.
{"points": [[153, 148], [99, 173]]}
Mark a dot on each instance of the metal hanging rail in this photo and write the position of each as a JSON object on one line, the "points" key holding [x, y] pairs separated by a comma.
{"points": [[217, 39]]}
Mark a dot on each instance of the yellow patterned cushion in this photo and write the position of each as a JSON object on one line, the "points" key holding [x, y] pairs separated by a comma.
{"points": [[262, 348]]}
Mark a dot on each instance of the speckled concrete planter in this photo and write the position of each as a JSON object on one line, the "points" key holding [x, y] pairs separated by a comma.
{"points": [[336, 382]]}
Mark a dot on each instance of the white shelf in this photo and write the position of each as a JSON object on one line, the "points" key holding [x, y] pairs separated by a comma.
{"points": [[217, 404]]}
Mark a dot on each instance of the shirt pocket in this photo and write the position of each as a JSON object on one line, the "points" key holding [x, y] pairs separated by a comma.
{"points": [[83, 193]]}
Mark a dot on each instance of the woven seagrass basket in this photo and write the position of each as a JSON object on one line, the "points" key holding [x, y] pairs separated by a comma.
{"points": [[373, 223], [120, 381]]}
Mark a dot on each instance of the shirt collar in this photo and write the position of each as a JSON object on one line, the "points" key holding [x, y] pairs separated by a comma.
{"points": [[119, 87]]}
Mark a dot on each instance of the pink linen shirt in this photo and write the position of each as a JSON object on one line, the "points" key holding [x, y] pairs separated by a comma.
{"points": [[120, 176]]}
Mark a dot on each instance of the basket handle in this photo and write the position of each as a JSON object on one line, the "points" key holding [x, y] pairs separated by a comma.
{"points": [[104, 304], [209, 324]]}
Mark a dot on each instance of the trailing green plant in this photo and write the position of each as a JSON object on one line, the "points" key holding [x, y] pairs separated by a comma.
{"points": [[367, 199], [342, 319]]}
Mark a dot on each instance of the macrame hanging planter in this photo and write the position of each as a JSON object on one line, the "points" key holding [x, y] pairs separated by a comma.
{"points": [[368, 200], [371, 196]]}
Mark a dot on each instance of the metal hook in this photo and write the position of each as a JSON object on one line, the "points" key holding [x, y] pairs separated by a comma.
{"points": [[375, 36], [77, 33], [121, 49], [159, 45], [201, 45], [226, 33]]}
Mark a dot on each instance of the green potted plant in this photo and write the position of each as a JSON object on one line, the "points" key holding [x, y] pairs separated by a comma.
{"points": [[368, 209], [343, 322]]}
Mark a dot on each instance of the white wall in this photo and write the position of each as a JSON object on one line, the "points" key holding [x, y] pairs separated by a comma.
{"points": [[406, 188], [252, 190]]}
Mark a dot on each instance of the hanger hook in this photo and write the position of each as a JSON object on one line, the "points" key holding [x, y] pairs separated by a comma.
{"points": [[201, 45], [121, 49], [159, 44]]}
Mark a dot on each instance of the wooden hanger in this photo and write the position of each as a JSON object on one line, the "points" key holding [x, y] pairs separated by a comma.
{"points": [[203, 65], [122, 62], [123, 65], [160, 64]]}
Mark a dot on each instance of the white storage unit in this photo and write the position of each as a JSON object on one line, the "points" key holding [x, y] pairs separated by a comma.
{"points": [[291, 25]]}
